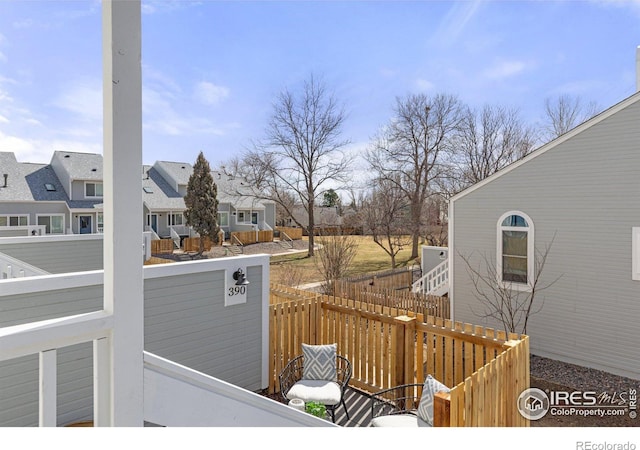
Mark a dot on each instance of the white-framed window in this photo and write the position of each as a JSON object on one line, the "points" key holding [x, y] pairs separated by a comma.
{"points": [[247, 216], [92, 189], [635, 253], [100, 223], [223, 219], [14, 220], [54, 223], [515, 250], [175, 219]]}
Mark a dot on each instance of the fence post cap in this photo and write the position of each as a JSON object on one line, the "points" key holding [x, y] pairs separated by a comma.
{"points": [[404, 319]]}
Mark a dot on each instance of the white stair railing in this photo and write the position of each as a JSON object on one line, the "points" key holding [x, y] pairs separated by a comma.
{"points": [[154, 235], [175, 236], [434, 282]]}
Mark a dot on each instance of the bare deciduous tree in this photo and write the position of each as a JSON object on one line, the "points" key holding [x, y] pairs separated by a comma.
{"points": [[385, 212], [489, 140], [413, 150], [564, 113], [501, 301], [334, 258], [301, 152]]}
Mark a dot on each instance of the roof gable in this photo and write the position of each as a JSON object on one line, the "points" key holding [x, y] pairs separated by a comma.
{"points": [[80, 166], [631, 100]]}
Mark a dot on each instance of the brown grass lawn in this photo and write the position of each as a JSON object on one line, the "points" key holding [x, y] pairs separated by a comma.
{"points": [[370, 257]]}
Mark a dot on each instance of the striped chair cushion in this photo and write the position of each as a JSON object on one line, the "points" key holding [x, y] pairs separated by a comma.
{"points": [[425, 408], [319, 362]]}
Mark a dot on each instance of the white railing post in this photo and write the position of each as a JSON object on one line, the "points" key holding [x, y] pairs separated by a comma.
{"points": [[123, 282], [48, 384], [102, 382]]}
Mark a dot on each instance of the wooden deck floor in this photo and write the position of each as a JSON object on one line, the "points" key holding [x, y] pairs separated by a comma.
{"points": [[359, 406]]}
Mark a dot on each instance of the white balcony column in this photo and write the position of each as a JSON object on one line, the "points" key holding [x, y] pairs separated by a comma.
{"points": [[123, 282], [48, 383]]}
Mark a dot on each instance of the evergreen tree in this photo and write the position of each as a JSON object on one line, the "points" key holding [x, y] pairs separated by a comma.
{"points": [[202, 202]]}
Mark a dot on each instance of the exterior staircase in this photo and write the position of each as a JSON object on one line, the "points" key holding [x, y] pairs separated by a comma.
{"points": [[285, 241], [434, 282]]}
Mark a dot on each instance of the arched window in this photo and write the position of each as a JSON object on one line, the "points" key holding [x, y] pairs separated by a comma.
{"points": [[515, 250]]}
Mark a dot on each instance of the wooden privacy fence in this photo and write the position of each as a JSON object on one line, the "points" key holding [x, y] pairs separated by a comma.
{"points": [[253, 237], [192, 244], [485, 369], [404, 301], [397, 279], [293, 233], [162, 246]]}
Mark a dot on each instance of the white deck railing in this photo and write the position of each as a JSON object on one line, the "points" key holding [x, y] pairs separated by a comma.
{"points": [[434, 282], [175, 395], [44, 338], [14, 268]]}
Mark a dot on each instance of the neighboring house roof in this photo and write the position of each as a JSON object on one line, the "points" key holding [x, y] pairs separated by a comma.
{"points": [[553, 144], [322, 216], [80, 166], [178, 171], [27, 182], [157, 193], [237, 192]]}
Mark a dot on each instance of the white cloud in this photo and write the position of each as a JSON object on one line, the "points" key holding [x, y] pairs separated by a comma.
{"points": [[160, 116], [455, 21], [209, 93], [505, 69], [84, 99], [3, 119], [156, 7], [424, 85]]}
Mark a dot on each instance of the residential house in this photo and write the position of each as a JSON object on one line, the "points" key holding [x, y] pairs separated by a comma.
{"points": [[325, 217], [66, 197], [576, 196], [80, 345], [32, 199]]}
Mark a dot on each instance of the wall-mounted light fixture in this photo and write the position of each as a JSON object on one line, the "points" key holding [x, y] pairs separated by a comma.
{"points": [[240, 277]]}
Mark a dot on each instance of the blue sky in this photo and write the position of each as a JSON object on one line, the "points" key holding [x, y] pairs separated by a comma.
{"points": [[211, 69]]}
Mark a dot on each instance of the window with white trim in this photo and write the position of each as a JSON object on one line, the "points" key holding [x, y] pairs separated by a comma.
{"points": [[635, 253], [515, 250], [92, 189], [14, 220], [175, 219], [54, 224], [223, 219], [100, 222]]}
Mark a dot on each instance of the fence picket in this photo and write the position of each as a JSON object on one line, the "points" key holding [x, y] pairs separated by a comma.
{"points": [[486, 372]]}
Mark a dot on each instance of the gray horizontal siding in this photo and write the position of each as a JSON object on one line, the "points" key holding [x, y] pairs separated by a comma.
{"points": [[185, 321], [78, 256], [585, 191]]}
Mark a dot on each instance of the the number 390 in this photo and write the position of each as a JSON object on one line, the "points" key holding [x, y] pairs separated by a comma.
{"points": [[237, 290]]}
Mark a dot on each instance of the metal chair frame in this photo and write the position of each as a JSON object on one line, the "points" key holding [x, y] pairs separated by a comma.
{"points": [[292, 373], [402, 399]]}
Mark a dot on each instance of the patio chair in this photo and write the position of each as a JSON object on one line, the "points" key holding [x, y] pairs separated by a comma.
{"points": [[404, 405], [318, 375]]}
